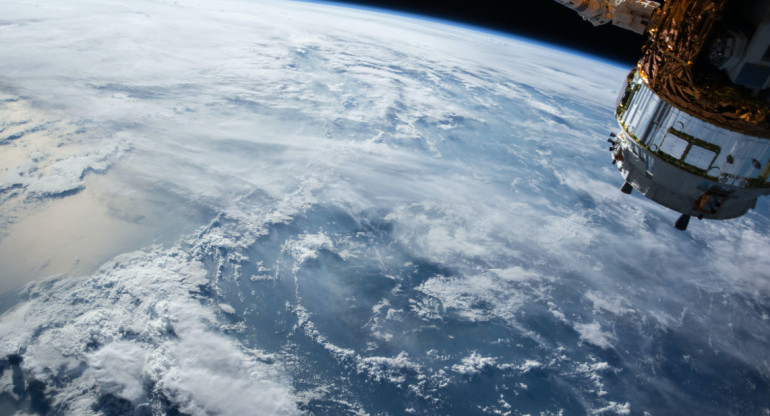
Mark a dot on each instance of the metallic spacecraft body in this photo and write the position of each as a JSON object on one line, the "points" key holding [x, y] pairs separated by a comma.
{"points": [[694, 114]]}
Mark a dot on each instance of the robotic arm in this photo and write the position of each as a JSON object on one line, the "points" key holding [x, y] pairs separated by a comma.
{"points": [[633, 15]]}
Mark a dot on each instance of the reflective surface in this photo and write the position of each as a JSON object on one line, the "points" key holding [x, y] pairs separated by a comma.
{"points": [[702, 148]]}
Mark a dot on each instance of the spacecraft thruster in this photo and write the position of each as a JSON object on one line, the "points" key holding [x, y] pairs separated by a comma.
{"points": [[694, 114]]}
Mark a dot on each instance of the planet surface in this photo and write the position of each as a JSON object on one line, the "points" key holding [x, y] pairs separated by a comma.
{"points": [[287, 208]]}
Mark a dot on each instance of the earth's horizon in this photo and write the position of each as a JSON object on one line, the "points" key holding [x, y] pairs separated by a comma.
{"points": [[303, 208]]}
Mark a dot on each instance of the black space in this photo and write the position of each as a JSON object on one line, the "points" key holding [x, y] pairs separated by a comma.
{"points": [[544, 20]]}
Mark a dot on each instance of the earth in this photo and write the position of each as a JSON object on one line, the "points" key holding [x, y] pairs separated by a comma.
{"points": [[282, 208]]}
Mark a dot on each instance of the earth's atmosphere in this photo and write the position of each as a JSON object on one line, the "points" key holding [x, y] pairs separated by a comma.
{"points": [[243, 207]]}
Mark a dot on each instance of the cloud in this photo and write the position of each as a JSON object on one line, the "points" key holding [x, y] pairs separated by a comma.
{"points": [[393, 369], [307, 247], [118, 369], [614, 408], [593, 333], [135, 324], [474, 364], [49, 154]]}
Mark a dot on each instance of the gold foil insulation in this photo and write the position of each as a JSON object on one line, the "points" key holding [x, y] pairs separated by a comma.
{"points": [[679, 32]]}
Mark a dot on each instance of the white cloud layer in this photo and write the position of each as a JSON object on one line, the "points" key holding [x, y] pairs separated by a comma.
{"points": [[143, 334], [368, 203]]}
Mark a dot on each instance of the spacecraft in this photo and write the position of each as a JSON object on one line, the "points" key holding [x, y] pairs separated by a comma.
{"points": [[694, 114]]}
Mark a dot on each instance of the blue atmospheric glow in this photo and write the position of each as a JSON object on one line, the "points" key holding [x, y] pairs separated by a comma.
{"points": [[468, 26]]}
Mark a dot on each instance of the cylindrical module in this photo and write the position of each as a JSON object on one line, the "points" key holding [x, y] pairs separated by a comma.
{"points": [[687, 164]]}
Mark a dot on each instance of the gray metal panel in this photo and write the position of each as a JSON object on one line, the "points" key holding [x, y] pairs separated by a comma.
{"points": [[648, 118], [677, 189]]}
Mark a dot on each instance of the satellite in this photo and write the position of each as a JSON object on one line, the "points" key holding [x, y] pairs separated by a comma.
{"points": [[694, 114]]}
